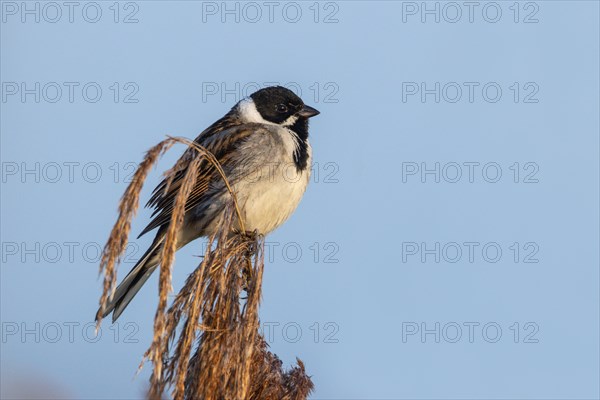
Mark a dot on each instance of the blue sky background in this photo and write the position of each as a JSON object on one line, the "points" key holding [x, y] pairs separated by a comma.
{"points": [[352, 281]]}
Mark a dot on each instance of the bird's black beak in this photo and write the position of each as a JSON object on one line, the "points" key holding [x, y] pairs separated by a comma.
{"points": [[308, 111]]}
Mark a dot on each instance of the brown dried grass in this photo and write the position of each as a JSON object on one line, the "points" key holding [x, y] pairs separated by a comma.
{"points": [[119, 235], [231, 358]]}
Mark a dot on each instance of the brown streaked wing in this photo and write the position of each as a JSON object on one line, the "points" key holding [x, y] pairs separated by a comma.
{"points": [[229, 120], [222, 145]]}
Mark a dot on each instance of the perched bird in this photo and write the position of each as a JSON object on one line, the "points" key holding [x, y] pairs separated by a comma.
{"points": [[262, 145]]}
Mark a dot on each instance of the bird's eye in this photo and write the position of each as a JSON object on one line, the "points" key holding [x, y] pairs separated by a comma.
{"points": [[282, 108]]}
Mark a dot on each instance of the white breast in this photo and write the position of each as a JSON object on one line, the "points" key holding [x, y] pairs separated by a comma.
{"points": [[271, 194]]}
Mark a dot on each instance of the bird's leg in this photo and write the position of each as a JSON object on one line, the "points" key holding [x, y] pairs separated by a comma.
{"points": [[247, 269]]}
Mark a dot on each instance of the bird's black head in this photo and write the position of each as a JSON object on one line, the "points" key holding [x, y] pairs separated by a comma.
{"points": [[281, 106]]}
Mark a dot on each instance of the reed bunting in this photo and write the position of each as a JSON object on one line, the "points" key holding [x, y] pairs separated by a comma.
{"points": [[256, 143]]}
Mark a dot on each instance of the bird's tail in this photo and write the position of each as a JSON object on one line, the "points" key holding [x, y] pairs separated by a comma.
{"points": [[134, 281]]}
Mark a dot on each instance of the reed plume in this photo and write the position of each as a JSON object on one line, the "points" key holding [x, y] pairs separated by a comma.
{"points": [[208, 344]]}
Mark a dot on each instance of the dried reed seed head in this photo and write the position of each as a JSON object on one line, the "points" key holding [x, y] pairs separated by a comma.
{"points": [[231, 360], [117, 240]]}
